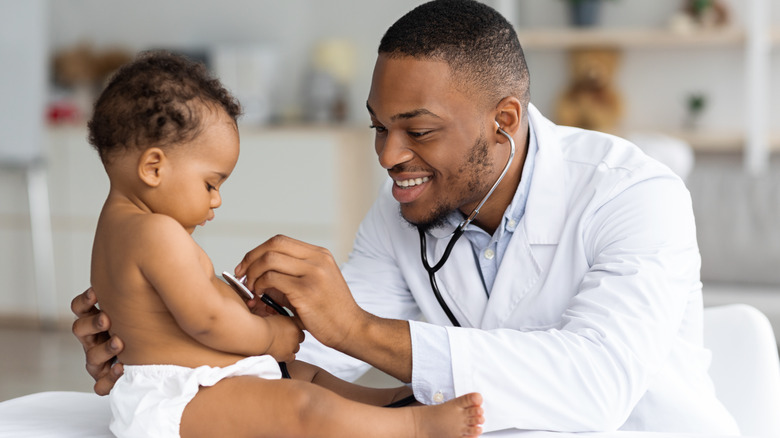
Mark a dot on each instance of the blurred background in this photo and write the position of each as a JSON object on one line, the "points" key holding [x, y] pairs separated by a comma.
{"points": [[693, 82]]}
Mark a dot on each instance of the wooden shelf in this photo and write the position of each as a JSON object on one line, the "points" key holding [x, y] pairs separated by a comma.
{"points": [[568, 38], [723, 141]]}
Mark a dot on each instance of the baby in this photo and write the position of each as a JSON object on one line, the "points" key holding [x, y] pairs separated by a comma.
{"points": [[197, 362]]}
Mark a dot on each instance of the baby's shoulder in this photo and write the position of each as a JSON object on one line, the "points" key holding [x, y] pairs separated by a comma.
{"points": [[141, 229], [151, 228]]}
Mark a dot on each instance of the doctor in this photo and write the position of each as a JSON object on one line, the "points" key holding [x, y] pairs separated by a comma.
{"points": [[576, 286]]}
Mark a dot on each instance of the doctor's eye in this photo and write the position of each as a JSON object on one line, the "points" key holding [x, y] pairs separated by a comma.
{"points": [[418, 134]]}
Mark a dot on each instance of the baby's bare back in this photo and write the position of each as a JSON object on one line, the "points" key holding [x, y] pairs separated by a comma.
{"points": [[138, 314]]}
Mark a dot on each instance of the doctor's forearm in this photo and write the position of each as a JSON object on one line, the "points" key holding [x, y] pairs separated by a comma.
{"points": [[384, 343]]}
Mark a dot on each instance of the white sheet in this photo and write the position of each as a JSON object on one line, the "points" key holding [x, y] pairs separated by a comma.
{"points": [[55, 414], [59, 414]]}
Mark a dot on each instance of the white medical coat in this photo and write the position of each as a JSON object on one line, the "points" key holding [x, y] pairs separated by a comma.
{"points": [[594, 322]]}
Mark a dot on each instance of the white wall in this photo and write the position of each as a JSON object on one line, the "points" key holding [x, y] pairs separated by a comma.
{"points": [[23, 53]]}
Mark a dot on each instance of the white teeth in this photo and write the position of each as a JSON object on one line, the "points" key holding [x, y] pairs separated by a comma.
{"points": [[412, 182]]}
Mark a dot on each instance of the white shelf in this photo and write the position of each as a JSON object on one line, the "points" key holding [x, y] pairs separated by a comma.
{"points": [[568, 38], [757, 38]]}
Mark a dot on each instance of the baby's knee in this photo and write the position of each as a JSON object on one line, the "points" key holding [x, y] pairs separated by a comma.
{"points": [[302, 405]]}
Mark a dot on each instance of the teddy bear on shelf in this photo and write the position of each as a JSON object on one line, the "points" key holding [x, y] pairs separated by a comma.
{"points": [[591, 100]]}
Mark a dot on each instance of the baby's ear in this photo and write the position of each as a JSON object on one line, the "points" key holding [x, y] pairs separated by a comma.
{"points": [[151, 165]]}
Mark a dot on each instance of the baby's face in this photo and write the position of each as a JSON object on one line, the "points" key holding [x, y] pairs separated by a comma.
{"points": [[197, 170]]}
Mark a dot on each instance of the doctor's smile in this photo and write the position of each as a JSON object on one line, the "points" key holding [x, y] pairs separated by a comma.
{"points": [[406, 190]]}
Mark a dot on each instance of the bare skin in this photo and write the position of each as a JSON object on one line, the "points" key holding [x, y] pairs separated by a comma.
{"points": [[252, 407], [168, 307], [151, 277]]}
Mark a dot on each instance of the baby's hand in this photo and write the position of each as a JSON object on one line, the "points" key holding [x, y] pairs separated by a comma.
{"points": [[286, 338]]}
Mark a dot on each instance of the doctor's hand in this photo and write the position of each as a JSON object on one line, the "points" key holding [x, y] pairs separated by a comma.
{"points": [[307, 279], [91, 329]]}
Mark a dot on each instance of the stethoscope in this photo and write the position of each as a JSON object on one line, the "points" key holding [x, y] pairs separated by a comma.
{"points": [[239, 285], [457, 233]]}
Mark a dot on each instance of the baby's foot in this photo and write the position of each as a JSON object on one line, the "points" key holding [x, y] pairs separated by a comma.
{"points": [[460, 417]]}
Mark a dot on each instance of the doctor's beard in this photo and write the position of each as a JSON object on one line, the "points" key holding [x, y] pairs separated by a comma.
{"points": [[475, 173]]}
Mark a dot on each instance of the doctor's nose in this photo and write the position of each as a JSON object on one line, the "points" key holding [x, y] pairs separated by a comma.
{"points": [[392, 151]]}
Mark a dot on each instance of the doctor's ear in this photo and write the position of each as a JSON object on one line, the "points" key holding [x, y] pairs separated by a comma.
{"points": [[151, 166], [508, 116]]}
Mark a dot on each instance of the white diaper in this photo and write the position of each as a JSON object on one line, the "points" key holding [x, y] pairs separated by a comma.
{"points": [[148, 400]]}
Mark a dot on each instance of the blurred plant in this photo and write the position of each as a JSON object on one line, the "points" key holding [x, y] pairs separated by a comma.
{"points": [[699, 6], [696, 104]]}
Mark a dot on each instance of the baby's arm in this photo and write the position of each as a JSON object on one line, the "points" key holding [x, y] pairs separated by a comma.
{"points": [[203, 306]]}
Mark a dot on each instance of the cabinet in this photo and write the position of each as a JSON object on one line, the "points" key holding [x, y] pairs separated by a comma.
{"points": [[740, 55]]}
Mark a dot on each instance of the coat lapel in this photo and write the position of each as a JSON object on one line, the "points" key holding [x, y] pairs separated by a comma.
{"points": [[525, 259], [518, 274]]}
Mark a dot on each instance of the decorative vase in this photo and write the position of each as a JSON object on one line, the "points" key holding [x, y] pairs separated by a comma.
{"points": [[584, 13]]}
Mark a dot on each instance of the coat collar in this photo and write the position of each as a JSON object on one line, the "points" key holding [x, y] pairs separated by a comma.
{"points": [[546, 206]]}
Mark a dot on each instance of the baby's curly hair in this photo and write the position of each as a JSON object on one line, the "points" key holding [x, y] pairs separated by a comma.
{"points": [[156, 100]]}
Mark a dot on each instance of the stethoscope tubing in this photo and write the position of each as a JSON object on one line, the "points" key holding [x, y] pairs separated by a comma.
{"points": [[456, 235]]}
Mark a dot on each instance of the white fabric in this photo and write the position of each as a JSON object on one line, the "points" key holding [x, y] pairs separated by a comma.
{"points": [[594, 320], [86, 415], [55, 414], [745, 366], [148, 400]]}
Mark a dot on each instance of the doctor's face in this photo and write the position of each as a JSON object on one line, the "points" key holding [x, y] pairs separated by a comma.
{"points": [[430, 136]]}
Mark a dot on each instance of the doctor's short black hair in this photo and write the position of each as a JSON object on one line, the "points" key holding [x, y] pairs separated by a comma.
{"points": [[478, 43], [156, 100]]}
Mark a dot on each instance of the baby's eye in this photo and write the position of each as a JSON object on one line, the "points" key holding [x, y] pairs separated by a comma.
{"points": [[378, 128], [209, 187]]}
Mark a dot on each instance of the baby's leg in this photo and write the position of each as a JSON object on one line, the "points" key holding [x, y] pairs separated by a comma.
{"points": [[363, 394], [254, 407]]}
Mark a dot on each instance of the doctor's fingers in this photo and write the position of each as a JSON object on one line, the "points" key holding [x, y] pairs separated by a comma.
{"points": [[282, 263], [101, 355], [91, 330], [104, 384], [281, 287], [84, 303], [283, 245]]}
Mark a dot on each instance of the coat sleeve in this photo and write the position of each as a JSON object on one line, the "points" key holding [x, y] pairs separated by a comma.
{"points": [[588, 373]]}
